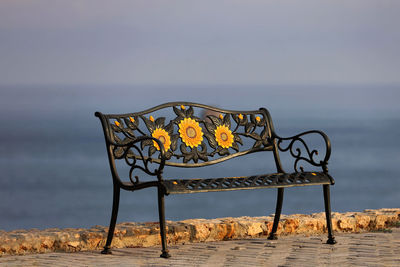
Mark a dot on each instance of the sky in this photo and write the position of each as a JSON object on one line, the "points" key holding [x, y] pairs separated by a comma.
{"points": [[97, 42]]}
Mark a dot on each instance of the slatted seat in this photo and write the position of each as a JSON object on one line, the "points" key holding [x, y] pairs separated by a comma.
{"points": [[275, 180], [190, 135]]}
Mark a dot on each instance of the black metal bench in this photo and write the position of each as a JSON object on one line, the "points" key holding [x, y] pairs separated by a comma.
{"points": [[197, 135]]}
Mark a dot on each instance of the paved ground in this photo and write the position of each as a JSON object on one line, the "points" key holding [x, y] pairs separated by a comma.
{"points": [[367, 249]]}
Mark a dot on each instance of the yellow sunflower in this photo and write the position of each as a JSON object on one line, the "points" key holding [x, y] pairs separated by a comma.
{"points": [[190, 132], [224, 136], [163, 136]]}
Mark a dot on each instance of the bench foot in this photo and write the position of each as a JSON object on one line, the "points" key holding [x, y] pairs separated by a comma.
{"points": [[165, 255], [161, 213], [273, 236], [106, 250], [113, 220], [278, 210], [331, 240]]}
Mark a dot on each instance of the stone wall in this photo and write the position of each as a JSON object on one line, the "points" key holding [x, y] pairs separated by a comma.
{"points": [[196, 230]]}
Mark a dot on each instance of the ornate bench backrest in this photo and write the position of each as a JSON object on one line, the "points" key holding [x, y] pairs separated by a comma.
{"points": [[193, 135]]}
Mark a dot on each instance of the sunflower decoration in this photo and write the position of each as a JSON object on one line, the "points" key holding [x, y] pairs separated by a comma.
{"points": [[224, 136], [219, 134], [189, 128], [190, 132], [163, 136], [163, 133]]}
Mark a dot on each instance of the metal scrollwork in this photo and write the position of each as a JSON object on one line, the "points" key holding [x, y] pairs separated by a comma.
{"points": [[300, 151]]}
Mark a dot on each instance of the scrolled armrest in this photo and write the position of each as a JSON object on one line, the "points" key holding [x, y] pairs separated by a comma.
{"points": [[123, 150], [299, 149], [132, 159]]}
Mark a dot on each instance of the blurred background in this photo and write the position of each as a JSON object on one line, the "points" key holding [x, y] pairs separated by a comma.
{"points": [[331, 65]]}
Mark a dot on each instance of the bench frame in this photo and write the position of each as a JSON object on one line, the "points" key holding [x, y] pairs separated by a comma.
{"points": [[131, 148]]}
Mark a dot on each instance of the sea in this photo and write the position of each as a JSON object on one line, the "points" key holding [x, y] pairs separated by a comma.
{"points": [[54, 170]]}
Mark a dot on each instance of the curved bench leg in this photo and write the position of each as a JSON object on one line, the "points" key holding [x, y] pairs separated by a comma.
{"points": [[114, 214], [327, 201], [161, 213], [272, 235]]}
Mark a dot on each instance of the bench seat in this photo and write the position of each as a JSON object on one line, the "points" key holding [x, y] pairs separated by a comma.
{"points": [[275, 180]]}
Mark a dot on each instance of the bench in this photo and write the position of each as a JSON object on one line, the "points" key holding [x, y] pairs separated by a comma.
{"points": [[190, 135]]}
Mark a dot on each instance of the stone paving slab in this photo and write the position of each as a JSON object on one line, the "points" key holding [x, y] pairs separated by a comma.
{"points": [[365, 249]]}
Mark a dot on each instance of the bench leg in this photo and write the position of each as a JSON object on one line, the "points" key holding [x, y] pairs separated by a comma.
{"points": [[161, 213], [279, 200], [331, 238], [107, 247]]}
